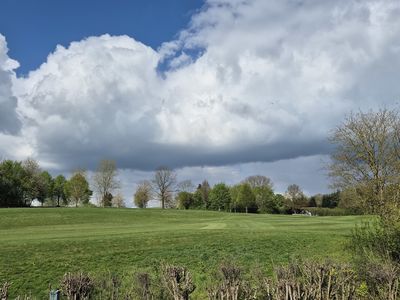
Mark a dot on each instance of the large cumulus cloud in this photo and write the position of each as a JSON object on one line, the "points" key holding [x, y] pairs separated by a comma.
{"points": [[246, 81], [9, 121]]}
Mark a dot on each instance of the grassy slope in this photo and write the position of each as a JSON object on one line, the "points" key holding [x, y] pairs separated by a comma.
{"points": [[38, 246]]}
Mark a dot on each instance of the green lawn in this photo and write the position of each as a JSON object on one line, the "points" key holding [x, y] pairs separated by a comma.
{"points": [[37, 246]]}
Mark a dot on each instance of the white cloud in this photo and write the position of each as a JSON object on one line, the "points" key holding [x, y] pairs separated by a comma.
{"points": [[267, 82], [9, 122]]}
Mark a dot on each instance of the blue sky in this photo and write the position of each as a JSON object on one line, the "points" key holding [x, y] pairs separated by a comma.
{"points": [[34, 28]]}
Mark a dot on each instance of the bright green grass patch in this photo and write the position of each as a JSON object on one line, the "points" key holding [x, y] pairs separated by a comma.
{"points": [[37, 246]]}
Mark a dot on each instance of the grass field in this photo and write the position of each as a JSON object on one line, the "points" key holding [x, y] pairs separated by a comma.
{"points": [[37, 246]]}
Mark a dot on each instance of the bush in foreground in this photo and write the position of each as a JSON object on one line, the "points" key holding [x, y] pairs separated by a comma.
{"points": [[298, 280]]}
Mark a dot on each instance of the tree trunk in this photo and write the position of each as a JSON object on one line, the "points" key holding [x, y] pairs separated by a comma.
{"points": [[247, 210]]}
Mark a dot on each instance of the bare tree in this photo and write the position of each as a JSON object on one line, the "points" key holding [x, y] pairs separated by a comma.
{"points": [[163, 184], [143, 194], [294, 192], [257, 181], [185, 186], [118, 200], [295, 198], [367, 157], [105, 181]]}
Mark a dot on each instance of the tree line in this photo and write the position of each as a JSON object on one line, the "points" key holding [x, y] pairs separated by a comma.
{"points": [[255, 194], [23, 182], [365, 167]]}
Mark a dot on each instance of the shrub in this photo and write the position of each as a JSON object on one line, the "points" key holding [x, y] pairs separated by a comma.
{"points": [[77, 286], [324, 211], [311, 280], [230, 285], [4, 291], [178, 281], [375, 240]]}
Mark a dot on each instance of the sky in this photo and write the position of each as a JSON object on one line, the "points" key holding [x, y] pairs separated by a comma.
{"points": [[215, 89]]}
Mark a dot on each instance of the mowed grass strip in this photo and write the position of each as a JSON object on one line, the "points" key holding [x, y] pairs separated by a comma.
{"points": [[37, 246]]}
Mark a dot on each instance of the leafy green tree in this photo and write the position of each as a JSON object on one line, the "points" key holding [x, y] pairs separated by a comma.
{"points": [[312, 202], [331, 200], [204, 189], [265, 199], [107, 200], [12, 184], [234, 191], [59, 189], [32, 180], [220, 198], [198, 200], [143, 194], [77, 188], [245, 197], [185, 200], [45, 187], [350, 200], [279, 200]]}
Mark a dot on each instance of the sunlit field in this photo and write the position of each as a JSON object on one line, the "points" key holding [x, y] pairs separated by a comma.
{"points": [[39, 245]]}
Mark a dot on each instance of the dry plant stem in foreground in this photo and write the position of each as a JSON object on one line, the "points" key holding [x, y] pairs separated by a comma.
{"points": [[178, 281]]}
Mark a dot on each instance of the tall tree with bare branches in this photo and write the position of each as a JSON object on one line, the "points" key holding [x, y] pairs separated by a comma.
{"points": [[258, 181], [367, 157], [163, 184], [105, 181]]}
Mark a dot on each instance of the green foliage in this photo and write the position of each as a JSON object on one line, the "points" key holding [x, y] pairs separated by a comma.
{"points": [[185, 200], [234, 192], [331, 200], [77, 188], [142, 194], [312, 202], [198, 201], [204, 191], [266, 200], [107, 199], [45, 187], [324, 211], [376, 239], [12, 184], [32, 181], [246, 197], [279, 199], [59, 189], [220, 198]]}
